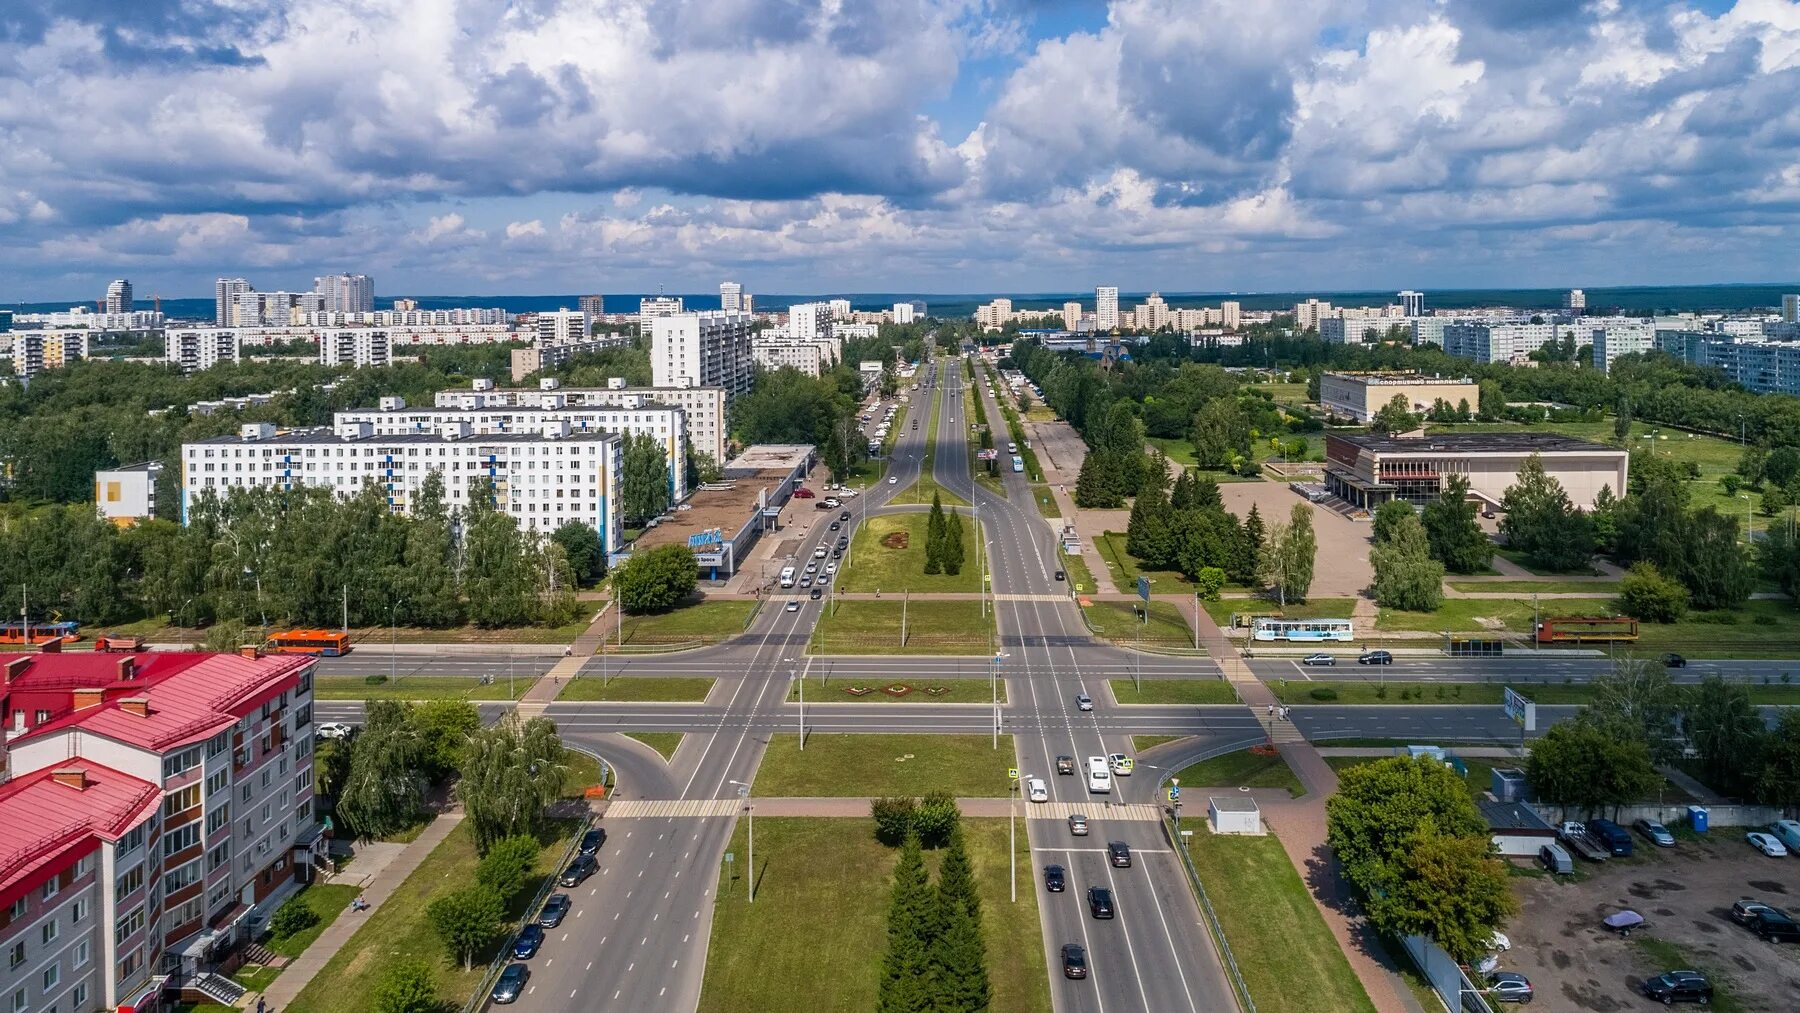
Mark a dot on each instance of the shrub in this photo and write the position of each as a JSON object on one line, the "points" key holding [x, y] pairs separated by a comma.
{"points": [[507, 863], [375, 680], [936, 819], [293, 918], [893, 818], [1324, 693], [1650, 596]]}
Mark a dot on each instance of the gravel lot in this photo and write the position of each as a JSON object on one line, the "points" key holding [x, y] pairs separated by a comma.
{"points": [[1685, 894]]}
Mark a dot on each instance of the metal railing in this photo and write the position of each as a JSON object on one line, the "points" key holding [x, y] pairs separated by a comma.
{"points": [[1172, 830], [480, 998]]}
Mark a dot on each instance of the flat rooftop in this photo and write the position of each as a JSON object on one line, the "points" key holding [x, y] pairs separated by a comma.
{"points": [[726, 505], [327, 436], [1388, 376], [1476, 443], [765, 456], [1233, 803]]}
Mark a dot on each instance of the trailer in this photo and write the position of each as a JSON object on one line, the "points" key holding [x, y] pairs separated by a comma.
{"points": [[1576, 836]]}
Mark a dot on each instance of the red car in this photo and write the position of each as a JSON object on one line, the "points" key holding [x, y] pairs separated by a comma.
{"points": [[803, 493]]}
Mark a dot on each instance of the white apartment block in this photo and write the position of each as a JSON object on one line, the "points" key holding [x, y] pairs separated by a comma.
{"points": [[840, 309], [1071, 315], [407, 318], [126, 495], [1308, 314], [225, 300], [562, 327], [995, 314], [1355, 329], [193, 350], [667, 424], [359, 347], [903, 313], [731, 295], [1153, 313], [704, 407], [710, 349], [1612, 338], [118, 297], [1231, 314], [1106, 307], [810, 320], [346, 293], [542, 480], [85, 318], [1575, 301], [814, 358], [1491, 341], [1790, 309], [841, 332], [35, 351], [658, 306]]}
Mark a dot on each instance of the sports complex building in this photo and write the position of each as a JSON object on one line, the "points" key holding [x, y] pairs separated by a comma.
{"points": [[1369, 470]]}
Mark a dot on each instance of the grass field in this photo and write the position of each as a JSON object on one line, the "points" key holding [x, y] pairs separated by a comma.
{"points": [[642, 688], [818, 929], [1242, 769], [1125, 568], [1757, 628], [1290, 961], [1118, 621], [1139, 743], [887, 554], [663, 742], [932, 627], [1527, 587], [1194, 691], [704, 621], [1283, 393], [1524, 562], [854, 765], [956, 691], [1316, 608], [419, 687], [1075, 569], [325, 900]]}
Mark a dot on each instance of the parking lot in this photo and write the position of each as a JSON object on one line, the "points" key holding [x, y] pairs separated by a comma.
{"points": [[1685, 894]]}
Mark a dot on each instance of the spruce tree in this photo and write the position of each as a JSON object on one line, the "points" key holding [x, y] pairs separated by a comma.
{"points": [[934, 536], [906, 985], [952, 549], [956, 877], [959, 961]]}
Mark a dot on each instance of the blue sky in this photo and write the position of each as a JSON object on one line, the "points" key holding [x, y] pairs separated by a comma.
{"points": [[517, 146]]}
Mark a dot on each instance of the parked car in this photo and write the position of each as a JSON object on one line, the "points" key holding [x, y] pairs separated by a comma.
{"points": [[334, 730], [1054, 879], [1509, 986], [1375, 658], [1078, 825], [511, 984], [554, 910], [1556, 860], [1318, 658], [1679, 986], [1499, 942], [591, 841], [1100, 902], [1488, 514], [1065, 765], [1084, 702], [1119, 854], [579, 870], [526, 945], [1074, 961], [1787, 832], [1674, 661], [1744, 912], [1775, 927], [803, 493], [1766, 843], [1611, 836], [1655, 833]]}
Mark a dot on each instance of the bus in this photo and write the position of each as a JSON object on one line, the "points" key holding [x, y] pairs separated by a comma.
{"points": [[1302, 630], [1018, 463], [33, 634], [328, 643], [1586, 629]]}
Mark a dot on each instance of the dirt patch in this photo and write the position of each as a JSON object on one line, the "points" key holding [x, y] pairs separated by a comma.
{"points": [[896, 540]]}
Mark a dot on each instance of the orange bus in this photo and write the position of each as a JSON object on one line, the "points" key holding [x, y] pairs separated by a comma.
{"points": [[324, 642]]}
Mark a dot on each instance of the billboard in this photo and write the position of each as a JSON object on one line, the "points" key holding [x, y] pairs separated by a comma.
{"points": [[1521, 710]]}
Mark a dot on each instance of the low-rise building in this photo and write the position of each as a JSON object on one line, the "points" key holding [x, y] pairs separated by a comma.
{"points": [[1361, 395], [127, 495], [1368, 470]]}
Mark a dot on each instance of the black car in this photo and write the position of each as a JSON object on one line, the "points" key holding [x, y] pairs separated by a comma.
{"points": [[844, 516], [1054, 880], [555, 910], [836, 525], [1065, 765], [816, 594], [1375, 658], [1744, 912], [591, 841], [1119, 854], [1062, 576], [1674, 661], [1679, 986], [579, 870], [1100, 902], [530, 938], [837, 553], [1074, 961], [511, 984], [1774, 927]]}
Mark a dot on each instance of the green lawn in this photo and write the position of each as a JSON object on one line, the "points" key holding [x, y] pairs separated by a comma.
{"points": [[1758, 628], [1194, 691], [1283, 393], [887, 554], [325, 900], [1174, 448], [1126, 569], [378, 636], [400, 928], [1242, 769], [1316, 608], [1520, 560], [1371, 691], [1498, 615], [967, 766], [1527, 587], [254, 978], [663, 742], [932, 627], [704, 621], [420, 687], [1045, 501], [1290, 961], [1075, 569], [635, 687], [921, 691], [816, 934], [1118, 621]]}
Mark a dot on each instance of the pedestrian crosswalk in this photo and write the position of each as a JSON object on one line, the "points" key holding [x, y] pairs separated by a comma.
{"points": [[643, 809], [1093, 810]]}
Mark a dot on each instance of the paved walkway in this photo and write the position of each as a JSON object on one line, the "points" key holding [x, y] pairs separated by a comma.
{"points": [[291, 981]]}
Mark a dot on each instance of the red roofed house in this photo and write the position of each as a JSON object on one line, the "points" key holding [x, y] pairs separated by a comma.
{"points": [[154, 809]]}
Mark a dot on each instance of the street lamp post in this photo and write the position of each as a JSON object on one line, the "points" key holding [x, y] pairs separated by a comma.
{"points": [[1749, 521], [393, 639], [744, 793], [802, 709]]}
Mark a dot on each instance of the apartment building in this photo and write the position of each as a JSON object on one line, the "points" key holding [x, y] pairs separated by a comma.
{"points": [[703, 407], [561, 327], [903, 313], [355, 347], [1495, 341], [660, 306], [1106, 307], [814, 358], [731, 295], [1612, 338], [35, 351], [346, 293], [542, 479], [1761, 366], [158, 808], [193, 350], [1308, 314], [709, 349], [127, 495]]}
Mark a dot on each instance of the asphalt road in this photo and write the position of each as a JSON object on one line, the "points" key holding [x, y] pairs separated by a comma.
{"points": [[1523, 666]]}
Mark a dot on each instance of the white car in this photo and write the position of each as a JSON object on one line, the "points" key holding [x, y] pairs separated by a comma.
{"points": [[793, 605], [1084, 702], [334, 730], [830, 567], [894, 481], [1037, 790], [1499, 943], [1121, 764], [1766, 844]]}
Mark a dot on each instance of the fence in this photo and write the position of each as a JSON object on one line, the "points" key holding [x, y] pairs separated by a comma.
{"points": [[1446, 976], [1172, 831], [1716, 815], [492, 974]]}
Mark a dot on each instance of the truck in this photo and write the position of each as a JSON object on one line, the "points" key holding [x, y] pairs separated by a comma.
{"points": [[787, 576], [1575, 834], [114, 643]]}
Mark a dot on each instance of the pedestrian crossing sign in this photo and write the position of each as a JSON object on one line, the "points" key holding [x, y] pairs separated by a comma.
{"points": [[1012, 773]]}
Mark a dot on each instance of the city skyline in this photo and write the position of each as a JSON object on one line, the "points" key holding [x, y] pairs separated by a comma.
{"points": [[962, 147]]}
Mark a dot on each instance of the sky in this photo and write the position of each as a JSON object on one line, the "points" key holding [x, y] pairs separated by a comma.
{"points": [[936, 146]]}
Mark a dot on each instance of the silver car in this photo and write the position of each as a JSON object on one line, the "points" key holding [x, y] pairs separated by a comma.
{"points": [[1084, 702], [1078, 825]]}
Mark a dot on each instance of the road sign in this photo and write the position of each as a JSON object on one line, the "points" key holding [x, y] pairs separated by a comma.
{"points": [[730, 857], [1521, 710], [1175, 794], [1144, 588], [1012, 773]]}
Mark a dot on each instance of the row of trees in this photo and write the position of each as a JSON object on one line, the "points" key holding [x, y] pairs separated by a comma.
{"points": [[936, 960], [943, 539], [1190, 531]]}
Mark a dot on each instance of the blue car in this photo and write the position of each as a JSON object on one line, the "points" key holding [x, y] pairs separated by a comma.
{"points": [[530, 938], [511, 984]]}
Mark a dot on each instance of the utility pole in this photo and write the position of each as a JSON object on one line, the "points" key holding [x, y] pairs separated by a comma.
{"points": [[802, 709], [346, 610], [905, 593]]}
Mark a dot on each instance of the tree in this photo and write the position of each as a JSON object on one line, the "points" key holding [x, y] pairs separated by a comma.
{"points": [[1150, 535], [467, 920], [906, 969], [1642, 702], [1220, 430], [1588, 766], [581, 546], [443, 728], [1778, 782], [383, 792], [956, 877], [1490, 400], [1648, 595], [1779, 555], [643, 479], [934, 536], [292, 917], [1208, 582], [406, 985], [1288, 562], [893, 818], [657, 580], [959, 958], [1541, 522], [510, 773], [704, 467], [1622, 421], [937, 819], [1728, 733], [1712, 562], [1604, 520], [1098, 486], [953, 544], [1453, 890], [1249, 557], [1389, 516], [498, 572], [1406, 577], [507, 862], [1396, 416], [1774, 500], [1456, 538]]}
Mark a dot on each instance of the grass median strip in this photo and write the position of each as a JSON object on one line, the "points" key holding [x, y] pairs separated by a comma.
{"points": [[420, 687], [1139, 743], [636, 688], [707, 621], [931, 627], [888, 555], [818, 928], [1242, 769], [1194, 691], [899, 691], [967, 766], [1118, 621], [663, 742]]}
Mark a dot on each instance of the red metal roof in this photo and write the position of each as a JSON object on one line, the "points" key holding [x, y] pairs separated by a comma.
{"points": [[45, 824]]}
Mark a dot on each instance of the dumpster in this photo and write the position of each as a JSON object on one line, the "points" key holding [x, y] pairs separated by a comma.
{"points": [[1697, 818]]}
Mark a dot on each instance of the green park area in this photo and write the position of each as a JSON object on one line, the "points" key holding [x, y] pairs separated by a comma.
{"points": [[887, 554], [1313, 608], [1261, 768], [663, 742], [1124, 622], [1188, 691], [1076, 572], [1530, 587], [903, 690], [1290, 961], [705, 622], [818, 927], [931, 627], [1125, 569], [1139, 743], [627, 688], [421, 687], [833, 765]]}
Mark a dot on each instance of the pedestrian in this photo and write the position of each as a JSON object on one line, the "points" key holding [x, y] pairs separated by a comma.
{"points": [[1271, 712], [261, 1007]]}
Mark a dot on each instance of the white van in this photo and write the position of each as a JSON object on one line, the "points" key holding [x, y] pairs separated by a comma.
{"points": [[1099, 777], [1788, 832], [787, 576]]}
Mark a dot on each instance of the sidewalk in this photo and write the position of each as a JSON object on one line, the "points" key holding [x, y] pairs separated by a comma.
{"points": [[288, 985]]}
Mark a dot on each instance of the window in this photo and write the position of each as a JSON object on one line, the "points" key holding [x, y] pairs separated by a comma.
{"points": [[48, 931], [219, 856], [181, 800], [78, 996], [132, 840], [129, 882], [83, 953], [182, 876], [52, 976], [17, 956], [18, 908], [85, 866], [175, 763], [218, 818], [182, 837], [48, 890], [19, 1003], [125, 927], [218, 781], [78, 911]]}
